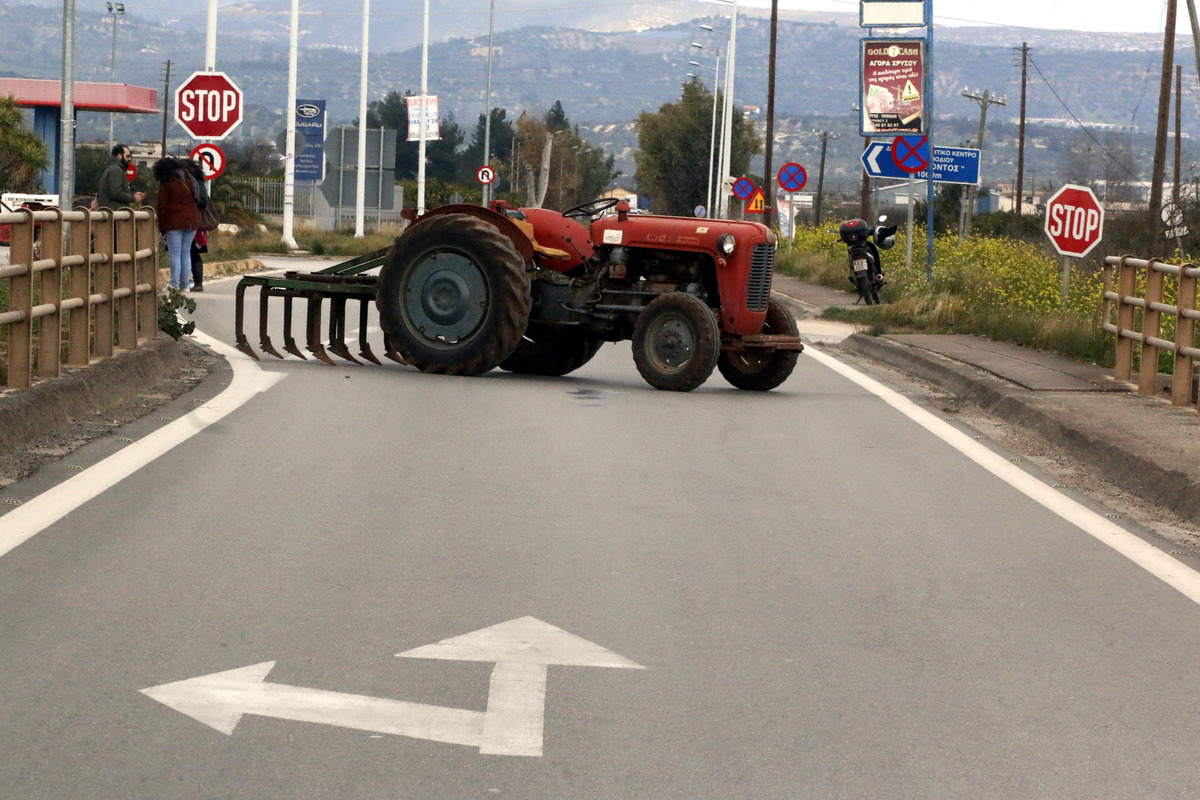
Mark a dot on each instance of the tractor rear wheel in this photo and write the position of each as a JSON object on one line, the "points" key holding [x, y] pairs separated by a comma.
{"points": [[676, 342], [763, 370], [549, 352], [454, 296]]}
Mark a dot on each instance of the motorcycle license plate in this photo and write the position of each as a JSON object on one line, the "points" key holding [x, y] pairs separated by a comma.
{"points": [[860, 266]]}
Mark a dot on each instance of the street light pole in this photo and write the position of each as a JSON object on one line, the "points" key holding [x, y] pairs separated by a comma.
{"points": [[712, 139], [720, 203], [727, 149], [487, 106], [424, 115], [289, 147], [114, 10]]}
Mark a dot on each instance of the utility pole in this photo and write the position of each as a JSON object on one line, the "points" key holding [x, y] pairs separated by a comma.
{"points": [[1164, 104], [1021, 139], [114, 10], [986, 99], [166, 103], [825, 137], [1191, 4], [768, 187], [1178, 129], [864, 197]]}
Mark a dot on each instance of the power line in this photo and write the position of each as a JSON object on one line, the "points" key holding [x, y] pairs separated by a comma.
{"points": [[1083, 127]]}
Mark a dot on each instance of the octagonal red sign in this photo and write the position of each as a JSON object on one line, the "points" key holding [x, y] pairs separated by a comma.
{"points": [[1074, 220], [208, 105]]}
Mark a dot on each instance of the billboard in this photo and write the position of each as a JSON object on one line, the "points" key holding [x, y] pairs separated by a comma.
{"points": [[892, 87], [310, 123]]}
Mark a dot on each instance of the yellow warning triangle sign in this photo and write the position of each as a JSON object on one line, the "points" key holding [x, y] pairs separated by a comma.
{"points": [[910, 93], [757, 203]]}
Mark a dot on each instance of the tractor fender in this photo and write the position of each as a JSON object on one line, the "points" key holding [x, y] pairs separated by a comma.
{"points": [[502, 223]]}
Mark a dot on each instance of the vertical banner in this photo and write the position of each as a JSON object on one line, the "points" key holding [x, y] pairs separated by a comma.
{"points": [[310, 123], [892, 87], [430, 104]]}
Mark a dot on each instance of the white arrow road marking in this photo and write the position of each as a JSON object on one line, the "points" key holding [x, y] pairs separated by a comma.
{"points": [[521, 649], [513, 724], [221, 699]]}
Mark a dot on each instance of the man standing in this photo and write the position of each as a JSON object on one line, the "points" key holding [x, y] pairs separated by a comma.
{"points": [[114, 188]]}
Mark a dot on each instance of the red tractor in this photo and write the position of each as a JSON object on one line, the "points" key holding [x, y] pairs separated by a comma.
{"points": [[465, 289]]}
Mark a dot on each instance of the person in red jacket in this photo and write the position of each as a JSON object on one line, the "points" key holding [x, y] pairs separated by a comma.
{"points": [[178, 218]]}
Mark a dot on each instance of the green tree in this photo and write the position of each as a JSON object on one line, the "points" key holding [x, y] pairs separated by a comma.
{"points": [[673, 150], [500, 144], [556, 117], [441, 155], [22, 154]]}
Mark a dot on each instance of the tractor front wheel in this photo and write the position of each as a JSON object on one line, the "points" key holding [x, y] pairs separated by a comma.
{"points": [[676, 342], [763, 370], [454, 296]]}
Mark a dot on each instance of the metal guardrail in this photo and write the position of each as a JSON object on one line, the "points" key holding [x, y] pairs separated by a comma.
{"points": [[1147, 312], [79, 282]]}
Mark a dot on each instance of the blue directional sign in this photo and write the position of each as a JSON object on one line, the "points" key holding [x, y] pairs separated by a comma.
{"points": [[950, 164]]}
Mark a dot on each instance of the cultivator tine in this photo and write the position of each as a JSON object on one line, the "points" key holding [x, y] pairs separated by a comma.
{"points": [[314, 330], [264, 340], [239, 319], [337, 284], [289, 344], [337, 329], [364, 349], [390, 351]]}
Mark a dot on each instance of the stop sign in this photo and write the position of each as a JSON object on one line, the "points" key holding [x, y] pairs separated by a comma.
{"points": [[1074, 220], [208, 105]]}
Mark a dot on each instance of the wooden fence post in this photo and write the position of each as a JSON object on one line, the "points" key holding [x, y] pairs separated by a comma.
{"points": [[20, 300], [104, 284], [1185, 336], [126, 304], [79, 339], [1151, 328], [147, 276], [1126, 282], [50, 286]]}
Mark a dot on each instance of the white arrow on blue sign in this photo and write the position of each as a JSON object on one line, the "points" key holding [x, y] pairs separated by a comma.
{"points": [[950, 164]]}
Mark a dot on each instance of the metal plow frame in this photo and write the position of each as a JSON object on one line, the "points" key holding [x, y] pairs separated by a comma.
{"points": [[339, 283]]}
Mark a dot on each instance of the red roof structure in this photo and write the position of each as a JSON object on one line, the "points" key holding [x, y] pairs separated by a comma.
{"points": [[88, 96]]}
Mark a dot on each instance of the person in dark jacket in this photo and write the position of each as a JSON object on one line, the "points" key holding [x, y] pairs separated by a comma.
{"points": [[114, 191], [178, 218]]}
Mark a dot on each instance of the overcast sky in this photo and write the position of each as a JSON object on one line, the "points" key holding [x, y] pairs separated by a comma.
{"points": [[1143, 16]]}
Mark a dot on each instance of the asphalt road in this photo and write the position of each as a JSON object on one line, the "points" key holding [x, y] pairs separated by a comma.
{"points": [[799, 594]]}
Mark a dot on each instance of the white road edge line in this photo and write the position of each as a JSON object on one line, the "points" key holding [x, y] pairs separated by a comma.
{"points": [[1170, 571], [34, 516]]}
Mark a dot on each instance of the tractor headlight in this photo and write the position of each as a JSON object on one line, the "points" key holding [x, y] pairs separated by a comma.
{"points": [[725, 242]]}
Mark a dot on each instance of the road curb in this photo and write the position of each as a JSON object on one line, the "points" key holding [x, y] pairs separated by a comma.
{"points": [[1103, 450], [86, 391]]}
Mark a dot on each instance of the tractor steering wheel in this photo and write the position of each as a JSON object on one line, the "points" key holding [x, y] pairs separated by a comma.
{"points": [[591, 209]]}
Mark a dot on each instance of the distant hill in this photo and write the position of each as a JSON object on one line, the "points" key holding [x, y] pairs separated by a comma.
{"points": [[606, 63]]}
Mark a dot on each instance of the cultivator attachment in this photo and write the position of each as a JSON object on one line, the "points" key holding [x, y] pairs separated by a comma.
{"points": [[338, 284]]}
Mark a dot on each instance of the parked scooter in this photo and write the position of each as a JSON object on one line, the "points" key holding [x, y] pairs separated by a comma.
{"points": [[866, 269]]}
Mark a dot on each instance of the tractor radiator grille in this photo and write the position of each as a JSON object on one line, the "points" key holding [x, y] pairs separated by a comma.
{"points": [[762, 266]]}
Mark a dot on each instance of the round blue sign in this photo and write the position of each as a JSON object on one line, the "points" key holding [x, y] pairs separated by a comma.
{"points": [[792, 177], [743, 188]]}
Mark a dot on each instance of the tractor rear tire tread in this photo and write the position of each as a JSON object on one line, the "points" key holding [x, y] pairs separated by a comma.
{"points": [[508, 286]]}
